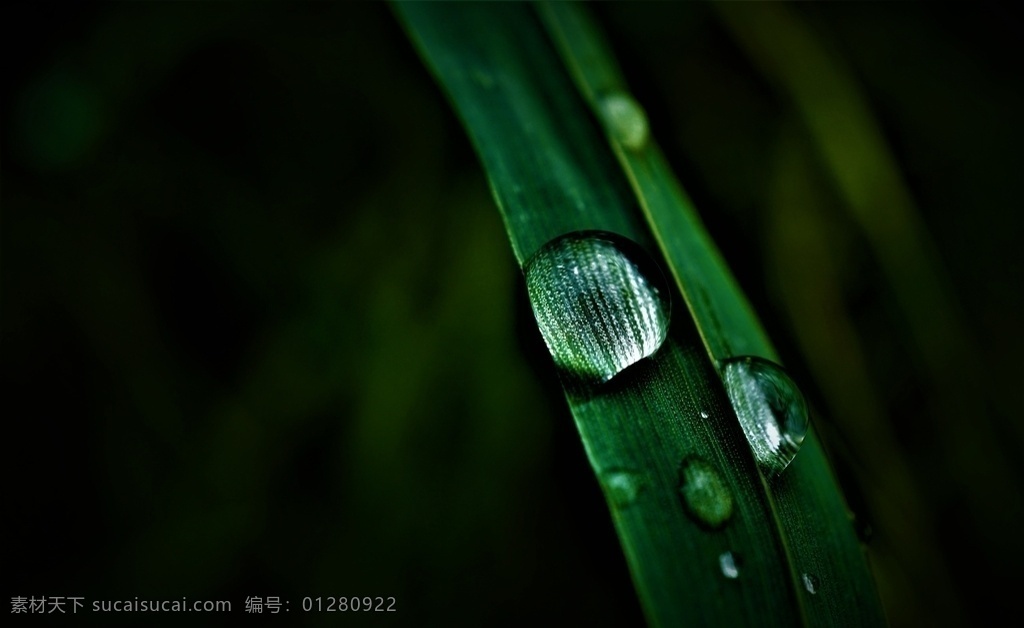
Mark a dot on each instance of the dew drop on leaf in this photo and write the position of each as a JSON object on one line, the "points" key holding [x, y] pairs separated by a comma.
{"points": [[810, 583], [770, 408], [622, 487], [601, 303], [729, 564], [625, 119], [705, 495]]}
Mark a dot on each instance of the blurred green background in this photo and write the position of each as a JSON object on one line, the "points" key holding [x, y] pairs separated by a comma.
{"points": [[263, 333]]}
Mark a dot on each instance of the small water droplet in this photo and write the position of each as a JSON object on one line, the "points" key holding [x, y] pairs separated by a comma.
{"points": [[622, 487], [600, 302], [770, 408], [705, 495], [730, 564], [703, 414], [625, 119], [810, 583]]}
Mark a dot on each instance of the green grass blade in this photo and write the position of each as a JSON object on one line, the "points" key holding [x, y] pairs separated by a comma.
{"points": [[834, 583], [542, 193], [552, 172]]}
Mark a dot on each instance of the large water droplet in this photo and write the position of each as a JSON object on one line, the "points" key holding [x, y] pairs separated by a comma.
{"points": [[705, 495], [622, 487], [625, 119], [600, 302], [770, 408], [730, 565]]}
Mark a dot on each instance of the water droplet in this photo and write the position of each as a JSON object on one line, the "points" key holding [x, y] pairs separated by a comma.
{"points": [[770, 408], [622, 487], [600, 302], [625, 119], [730, 564], [810, 583], [703, 414], [706, 497]]}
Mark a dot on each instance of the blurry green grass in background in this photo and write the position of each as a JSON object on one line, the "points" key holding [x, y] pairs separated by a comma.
{"points": [[262, 333]]}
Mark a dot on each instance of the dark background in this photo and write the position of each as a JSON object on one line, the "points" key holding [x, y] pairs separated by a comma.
{"points": [[263, 334]]}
